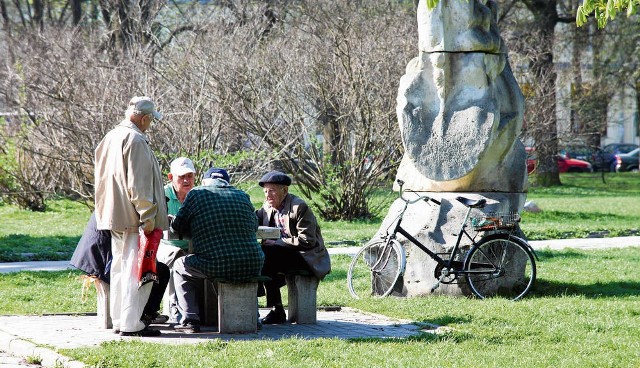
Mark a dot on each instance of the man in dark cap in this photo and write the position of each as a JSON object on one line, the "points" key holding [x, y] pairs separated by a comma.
{"points": [[300, 246], [221, 222]]}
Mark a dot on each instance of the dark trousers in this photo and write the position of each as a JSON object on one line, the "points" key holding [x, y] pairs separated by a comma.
{"points": [[279, 261], [157, 290]]}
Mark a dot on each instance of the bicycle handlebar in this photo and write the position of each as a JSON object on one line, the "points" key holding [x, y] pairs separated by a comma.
{"points": [[412, 201]]}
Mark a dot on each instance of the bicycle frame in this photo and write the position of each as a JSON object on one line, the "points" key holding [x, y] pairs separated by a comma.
{"points": [[446, 263], [377, 267]]}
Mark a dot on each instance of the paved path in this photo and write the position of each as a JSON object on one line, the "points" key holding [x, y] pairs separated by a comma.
{"points": [[17, 333], [588, 243], [20, 334]]}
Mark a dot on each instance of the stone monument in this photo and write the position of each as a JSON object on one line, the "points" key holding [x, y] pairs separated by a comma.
{"points": [[460, 112]]}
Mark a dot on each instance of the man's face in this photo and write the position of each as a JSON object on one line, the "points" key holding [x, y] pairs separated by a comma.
{"points": [[182, 184], [274, 194]]}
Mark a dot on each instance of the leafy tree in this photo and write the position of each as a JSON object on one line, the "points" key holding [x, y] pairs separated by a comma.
{"points": [[605, 10]]}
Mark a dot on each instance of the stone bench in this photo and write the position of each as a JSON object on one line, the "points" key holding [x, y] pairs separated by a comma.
{"points": [[235, 309], [103, 309], [302, 289]]}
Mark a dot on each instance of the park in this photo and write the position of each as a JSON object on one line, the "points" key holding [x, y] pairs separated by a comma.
{"points": [[581, 312], [464, 112]]}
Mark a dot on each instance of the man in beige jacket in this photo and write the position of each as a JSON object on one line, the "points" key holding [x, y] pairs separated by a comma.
{"points": [[129, 196]]}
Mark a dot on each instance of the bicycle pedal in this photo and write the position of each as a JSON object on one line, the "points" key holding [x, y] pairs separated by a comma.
{"points": [[434, 287]]}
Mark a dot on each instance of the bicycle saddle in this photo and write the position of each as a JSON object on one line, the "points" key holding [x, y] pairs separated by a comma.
{"points": [[473, 203]]}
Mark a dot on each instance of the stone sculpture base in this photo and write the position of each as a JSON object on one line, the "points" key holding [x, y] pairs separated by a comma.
{"points": [[436, 227]]}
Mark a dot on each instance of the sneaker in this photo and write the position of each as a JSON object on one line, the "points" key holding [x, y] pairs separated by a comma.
{"points": [[145, 332], [188, 327], [275, 316]]}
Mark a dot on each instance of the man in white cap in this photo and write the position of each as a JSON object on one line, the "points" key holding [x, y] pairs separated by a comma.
{"points": [[181, 179], [129, 196]]}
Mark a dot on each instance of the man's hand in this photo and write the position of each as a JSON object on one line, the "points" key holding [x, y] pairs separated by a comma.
{"points": [[148, 226]]}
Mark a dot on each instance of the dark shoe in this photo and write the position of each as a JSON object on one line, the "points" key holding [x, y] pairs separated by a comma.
{"points": [[276, 316], [160, 319], [154, 319], [145, 332], [188, 327]]}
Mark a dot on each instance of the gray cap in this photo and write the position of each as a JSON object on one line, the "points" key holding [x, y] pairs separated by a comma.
{"points": [[144, 105]]}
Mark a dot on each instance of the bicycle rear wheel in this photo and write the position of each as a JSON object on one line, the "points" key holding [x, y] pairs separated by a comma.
{"points": [[500, 265], [375, 269]]}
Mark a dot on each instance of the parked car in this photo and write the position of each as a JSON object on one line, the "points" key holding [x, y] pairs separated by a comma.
{"points": [[565, 164], [579, 151], [627, 161], [603, 160]]}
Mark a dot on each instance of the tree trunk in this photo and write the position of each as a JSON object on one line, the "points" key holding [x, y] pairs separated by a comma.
{"points": [[76, 10], [541, 65]]}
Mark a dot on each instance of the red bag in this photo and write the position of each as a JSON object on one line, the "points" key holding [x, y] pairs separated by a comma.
{"points": [[147, 251]]}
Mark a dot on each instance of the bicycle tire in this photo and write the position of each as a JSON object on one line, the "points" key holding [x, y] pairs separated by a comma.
{"points": [[500, 265], [375, 269]]}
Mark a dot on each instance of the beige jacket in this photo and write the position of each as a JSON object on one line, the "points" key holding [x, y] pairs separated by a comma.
{"points": [[305, 233], [129, 190]]}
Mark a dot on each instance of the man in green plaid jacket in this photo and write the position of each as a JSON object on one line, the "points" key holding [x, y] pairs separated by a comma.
{"points": [[222, 225]]}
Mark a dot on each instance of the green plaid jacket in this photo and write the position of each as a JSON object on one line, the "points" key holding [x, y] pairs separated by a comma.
{"points": [[222, 224]]}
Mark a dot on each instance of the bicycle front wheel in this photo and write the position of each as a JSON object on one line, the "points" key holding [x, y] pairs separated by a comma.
{"points": [[375, 269], [500, 265]]}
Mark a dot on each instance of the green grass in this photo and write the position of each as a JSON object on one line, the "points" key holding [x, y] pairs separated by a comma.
{"points": [[584, 312], [583, 205], [49, 235]]}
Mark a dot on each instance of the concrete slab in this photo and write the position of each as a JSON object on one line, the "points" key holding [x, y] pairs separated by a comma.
{"points": [[24, 336]]}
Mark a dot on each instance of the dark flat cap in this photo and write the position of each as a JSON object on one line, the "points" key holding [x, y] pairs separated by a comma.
{"points": [[217, 173], [275, 177]]}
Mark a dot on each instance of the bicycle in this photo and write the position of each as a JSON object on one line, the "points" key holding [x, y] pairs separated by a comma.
{"points": [[498, 264]]}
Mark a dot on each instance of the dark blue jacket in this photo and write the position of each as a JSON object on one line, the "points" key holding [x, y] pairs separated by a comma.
{"points": [[93, 252]]}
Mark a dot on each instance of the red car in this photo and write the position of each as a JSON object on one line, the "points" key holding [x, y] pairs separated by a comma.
{"points": [[565, 164]]}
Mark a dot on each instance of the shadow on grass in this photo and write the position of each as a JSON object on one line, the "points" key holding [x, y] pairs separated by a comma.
{"points": [[425, 337], [19, 247], [596, 290], [548, 254]]}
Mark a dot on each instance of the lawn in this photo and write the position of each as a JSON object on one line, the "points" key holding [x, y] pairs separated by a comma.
{"points": [[583, 312], [581, 207]]}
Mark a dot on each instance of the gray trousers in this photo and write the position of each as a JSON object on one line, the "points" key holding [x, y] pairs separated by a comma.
{"points": [[167, 254], [188, 283]]}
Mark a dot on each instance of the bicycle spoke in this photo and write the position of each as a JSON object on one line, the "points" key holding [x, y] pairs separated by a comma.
{"points": [[375, 269], [500, 267]]}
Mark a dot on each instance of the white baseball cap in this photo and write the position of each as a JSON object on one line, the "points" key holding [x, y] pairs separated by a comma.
{"points": [[181, 166]]}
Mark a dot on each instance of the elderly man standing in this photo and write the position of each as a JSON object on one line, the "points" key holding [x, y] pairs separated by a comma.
{"points": [[129, 196], [222, 224], [300, 246]]}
